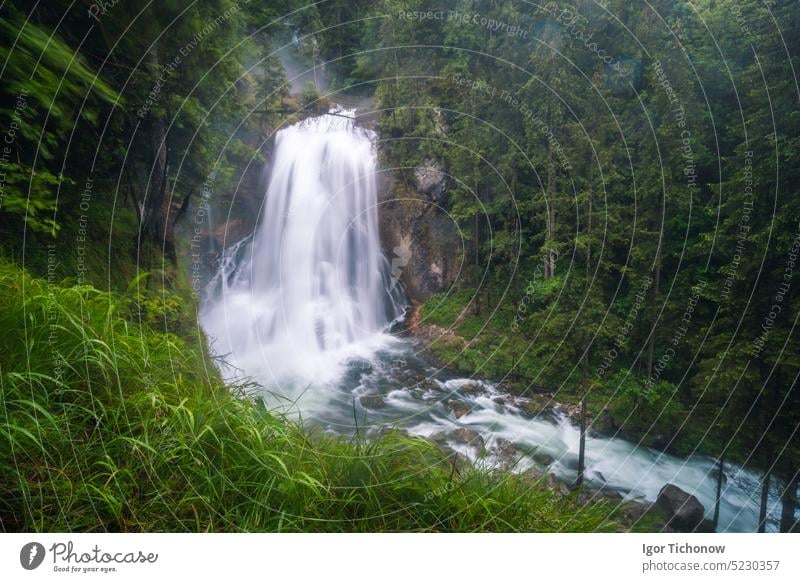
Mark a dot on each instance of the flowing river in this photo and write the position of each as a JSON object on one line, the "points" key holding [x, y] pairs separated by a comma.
{"points": [[307, 307]]}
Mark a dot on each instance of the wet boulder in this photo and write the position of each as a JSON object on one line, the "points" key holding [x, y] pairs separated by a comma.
{"points": [[535, 404], [505, 452], [372, 401], [555, 484], [505, 447], [470, 388], [459, 461], [430, 385], [682, 511], [534, 475], [467, 436], [458, 407], [543, 459]]}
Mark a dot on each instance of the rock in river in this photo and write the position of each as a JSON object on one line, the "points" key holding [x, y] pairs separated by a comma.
{"points": [[459, 408], [505, 447], [542, 458], [372, 401], [683, 512], [467, 436]]}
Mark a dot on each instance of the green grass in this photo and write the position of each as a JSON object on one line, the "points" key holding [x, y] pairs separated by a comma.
{"points": [[489, 347], [107, 424]]}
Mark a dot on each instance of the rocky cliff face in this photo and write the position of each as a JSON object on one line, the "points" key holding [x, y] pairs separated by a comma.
{"points": [[420, 239]]}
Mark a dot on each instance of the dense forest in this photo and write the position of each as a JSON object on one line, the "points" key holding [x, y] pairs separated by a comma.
{"points": [[621, 175]]}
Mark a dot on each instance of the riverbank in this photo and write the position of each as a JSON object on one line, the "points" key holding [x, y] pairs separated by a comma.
{"points": [[490, 346], [112, 425], [615, 462]]}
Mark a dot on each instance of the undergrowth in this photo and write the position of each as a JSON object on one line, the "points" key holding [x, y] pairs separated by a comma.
{"points": [[490, 345], [107, 424]]}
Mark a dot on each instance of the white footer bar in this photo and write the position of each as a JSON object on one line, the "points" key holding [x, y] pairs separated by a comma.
{"points": [[411, 557]]}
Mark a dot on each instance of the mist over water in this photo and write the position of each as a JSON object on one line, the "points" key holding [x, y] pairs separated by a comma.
{"points": [[304, 306]]}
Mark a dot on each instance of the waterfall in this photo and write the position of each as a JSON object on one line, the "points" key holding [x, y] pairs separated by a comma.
{"points": [[311, 288], [304, 305]]}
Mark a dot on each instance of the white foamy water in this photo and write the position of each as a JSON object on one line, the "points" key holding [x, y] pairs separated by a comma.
{"points": [[309, 290], [304, 307]]}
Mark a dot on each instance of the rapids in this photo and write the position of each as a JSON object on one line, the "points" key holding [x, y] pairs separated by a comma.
{"points": [[305, 307]]}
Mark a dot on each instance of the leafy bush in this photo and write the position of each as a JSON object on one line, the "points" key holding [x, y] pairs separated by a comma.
{"points": [[160, 309], [650, 410]]}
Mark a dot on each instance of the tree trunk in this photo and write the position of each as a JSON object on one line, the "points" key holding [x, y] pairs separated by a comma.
{"points": [[477, 266], [551, 254], [589, 233], [585, 357], [516, 236], [762, 514], [156, 223], [550, 209], [582, 445], [488, 297], [651, 345], [720, 477], [789, 506], [476, 227]]}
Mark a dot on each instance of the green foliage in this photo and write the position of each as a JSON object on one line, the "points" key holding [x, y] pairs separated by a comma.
{"points": [[573, 182], [44, 82], [653, 413], [160, 309], [109, 425], [445, 309], [681, 170]]}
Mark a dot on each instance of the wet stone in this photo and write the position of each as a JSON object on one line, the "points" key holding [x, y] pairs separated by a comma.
{"points": [[504, 447], [467, 436], [470, 388], [543, 459], [459, 408], [372, 401]]}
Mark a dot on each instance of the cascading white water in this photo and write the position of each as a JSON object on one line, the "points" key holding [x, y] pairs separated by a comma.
{"points": [[310, 290], [303, 306]]}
